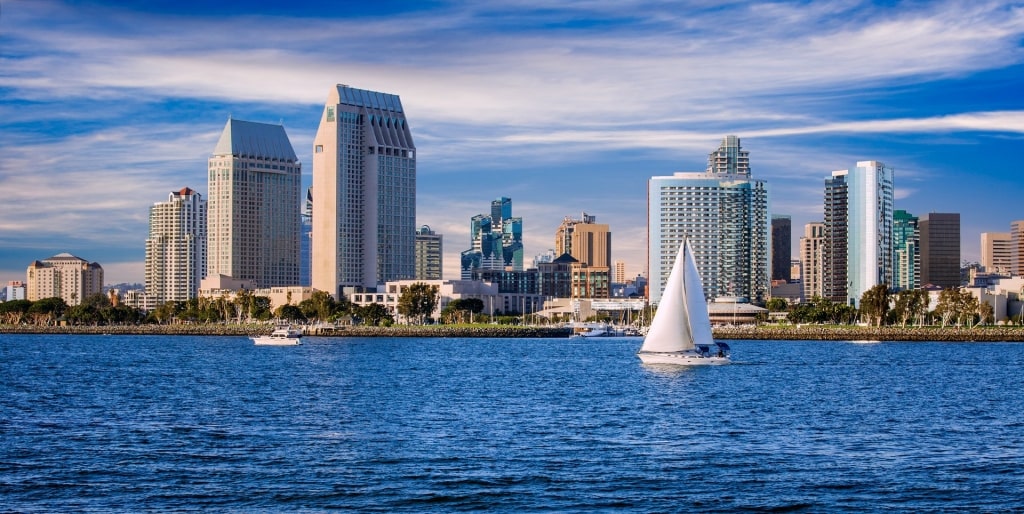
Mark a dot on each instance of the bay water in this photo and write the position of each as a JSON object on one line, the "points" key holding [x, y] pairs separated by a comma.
{"points": [[180, 423]]}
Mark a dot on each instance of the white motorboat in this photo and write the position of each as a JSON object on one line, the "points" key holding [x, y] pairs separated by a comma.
{"points": [[681, 330], [281, 336]]}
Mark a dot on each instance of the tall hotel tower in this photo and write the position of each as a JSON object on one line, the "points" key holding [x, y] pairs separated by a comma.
{"points": [[858, 231], [253, 207], [364, 193], [176, 247], [724, 214]]}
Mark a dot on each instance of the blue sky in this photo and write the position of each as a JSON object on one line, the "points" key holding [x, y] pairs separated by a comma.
{"points": [[107, 106]]}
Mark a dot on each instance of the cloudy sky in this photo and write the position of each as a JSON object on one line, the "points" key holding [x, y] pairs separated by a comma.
{"points": [[107, 106]]}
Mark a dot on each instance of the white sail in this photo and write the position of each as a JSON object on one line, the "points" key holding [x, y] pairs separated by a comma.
{"points": [[696, 304], [682, 316]]}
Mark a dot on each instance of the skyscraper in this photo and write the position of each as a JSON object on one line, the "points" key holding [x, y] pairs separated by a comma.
{"points": [[906, 244], [996, 252], [812, 252], [1017, 248], [364, 192], [782, 247], [176, 247], [870, 218], [586, 240], [496, 241], [834, 262], [940, 249], [429, 254], [619, 272], [306, 241], [724, 214], [255, 183]]}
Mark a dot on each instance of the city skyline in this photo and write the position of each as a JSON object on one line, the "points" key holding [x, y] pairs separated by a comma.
{"points": [[568, 109]]}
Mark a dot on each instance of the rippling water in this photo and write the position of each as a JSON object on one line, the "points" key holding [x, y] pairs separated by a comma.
{"points": [[93, 423]]}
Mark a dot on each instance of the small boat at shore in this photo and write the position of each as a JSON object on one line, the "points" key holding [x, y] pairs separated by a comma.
{"points": [[281, 336]]}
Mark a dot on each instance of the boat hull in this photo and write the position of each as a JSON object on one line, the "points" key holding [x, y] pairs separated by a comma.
{"points": [[681, 359], [275, 341]]}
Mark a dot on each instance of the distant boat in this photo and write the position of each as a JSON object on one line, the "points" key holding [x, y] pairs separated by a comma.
{"points": [[681, 330], [281, 336]]}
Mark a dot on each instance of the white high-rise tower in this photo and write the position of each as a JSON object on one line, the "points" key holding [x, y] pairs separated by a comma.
{"points": [[176, 247], [253, 207], [364, 192]]}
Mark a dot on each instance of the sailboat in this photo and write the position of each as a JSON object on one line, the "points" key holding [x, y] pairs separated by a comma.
{"points": [[681, 330]]}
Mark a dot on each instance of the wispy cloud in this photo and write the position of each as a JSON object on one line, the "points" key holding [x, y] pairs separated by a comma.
{"points": [[104, 109]]}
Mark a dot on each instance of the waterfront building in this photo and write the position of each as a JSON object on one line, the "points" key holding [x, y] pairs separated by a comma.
{"points": [[255, 183], [496, 241], [858, 253], [812, 260], [870, 246], [723, 212], [940, 249], [1017, 248], [782, 247], [448, 291], [176, 247], [64, 276], [996, 252], [834, 260], [15, 290], [429, 254], [364, 192], [906, 245]]}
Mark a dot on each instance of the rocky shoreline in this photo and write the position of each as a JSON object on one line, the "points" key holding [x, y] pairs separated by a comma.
{"points": [[857, 333], [762, 332], [503, 331]]}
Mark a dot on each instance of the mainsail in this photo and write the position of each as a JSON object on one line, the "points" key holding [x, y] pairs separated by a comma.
{"points": [[682, 317]]}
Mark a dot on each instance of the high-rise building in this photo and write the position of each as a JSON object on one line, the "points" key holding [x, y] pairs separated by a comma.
{"points": [[729, 158], [429, 254], [364, 193], [176, 247], [586, 240], [723, 212], [782, 247], [590, 244], [870, 238], [496, 241], [906, 244], [940, 249], [63, 276], [255, 183], [812, 260], [833, 281], [619, 272], [306, 241], [1017, 248], [996, 252]]}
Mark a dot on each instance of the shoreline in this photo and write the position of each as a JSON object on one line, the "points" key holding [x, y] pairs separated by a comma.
{"points": [[760, 332]]}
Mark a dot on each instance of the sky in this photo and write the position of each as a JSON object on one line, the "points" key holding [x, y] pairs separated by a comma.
{"points": [[108, 106]]}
